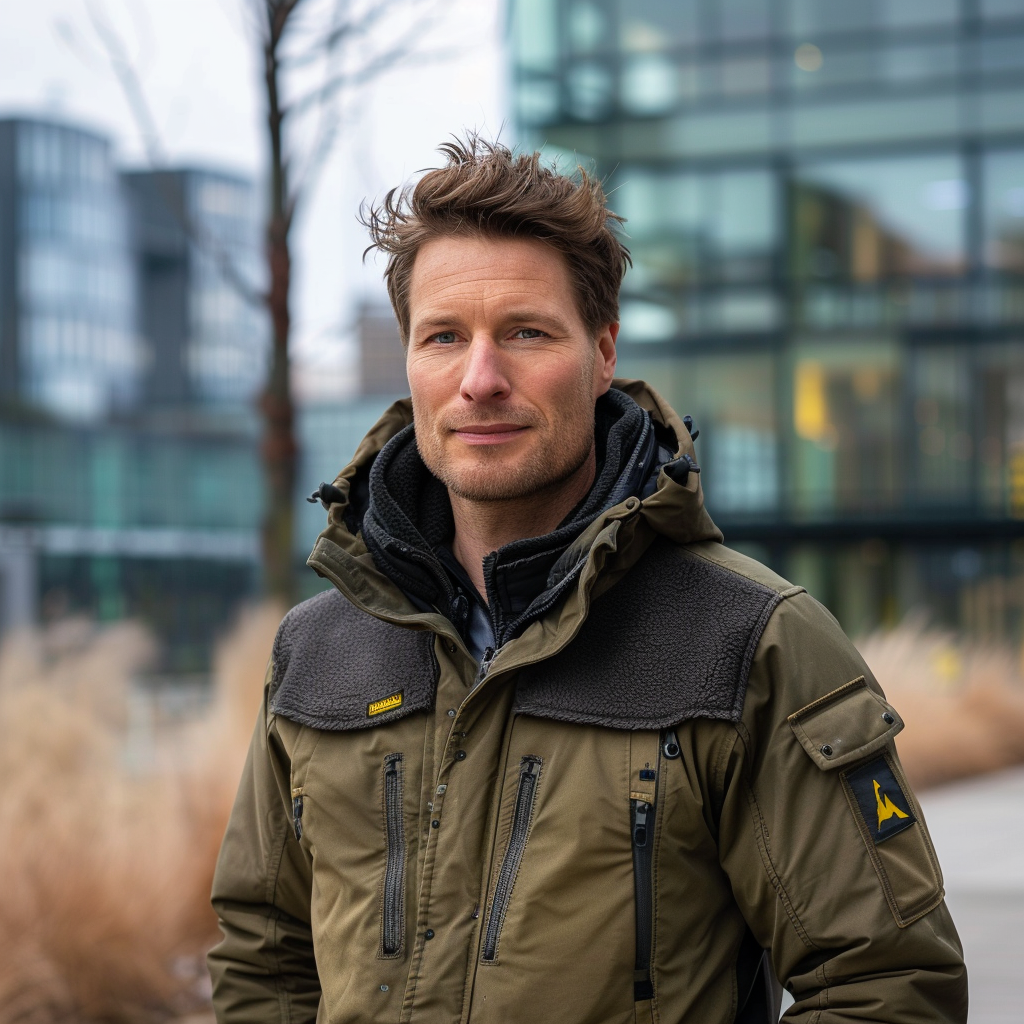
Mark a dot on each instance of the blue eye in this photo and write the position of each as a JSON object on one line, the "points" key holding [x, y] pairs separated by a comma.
{"points": [[529, 333], [445, 338]]}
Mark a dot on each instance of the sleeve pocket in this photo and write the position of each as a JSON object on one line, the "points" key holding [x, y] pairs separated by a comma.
{"points": [[846, 725], [852, 728]]}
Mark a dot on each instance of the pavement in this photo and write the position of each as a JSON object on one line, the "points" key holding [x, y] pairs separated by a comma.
{"points": [[978, 830]]}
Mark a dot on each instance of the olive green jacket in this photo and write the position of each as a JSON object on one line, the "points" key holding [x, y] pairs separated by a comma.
{"points": [[683, 763]]}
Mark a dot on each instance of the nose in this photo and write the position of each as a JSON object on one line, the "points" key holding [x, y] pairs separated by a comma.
{"points": [[483, 373]]}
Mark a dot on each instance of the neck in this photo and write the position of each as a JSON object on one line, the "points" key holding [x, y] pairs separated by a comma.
{"points": [[484, 526]]}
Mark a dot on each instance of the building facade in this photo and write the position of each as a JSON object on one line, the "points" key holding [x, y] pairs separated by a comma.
{"points": [[67, 316], [130, 360], [196, 247], [825, 206]]}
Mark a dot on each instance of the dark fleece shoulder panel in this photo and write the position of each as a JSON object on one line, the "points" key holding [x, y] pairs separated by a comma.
{"points": [[335, 667], [672, 640]]}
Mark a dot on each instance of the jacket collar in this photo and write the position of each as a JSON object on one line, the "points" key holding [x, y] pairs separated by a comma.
{"points": [[407, 524], [602, 550]]}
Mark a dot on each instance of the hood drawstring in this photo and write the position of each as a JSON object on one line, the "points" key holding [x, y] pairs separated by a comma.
{"points": [[327, 495], [680, 469]]}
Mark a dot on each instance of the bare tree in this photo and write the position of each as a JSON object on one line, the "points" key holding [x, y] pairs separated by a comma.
{"points": [[317, 58]]}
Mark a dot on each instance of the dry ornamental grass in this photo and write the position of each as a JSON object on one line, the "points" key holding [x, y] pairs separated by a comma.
{"points": [[111, 830]]}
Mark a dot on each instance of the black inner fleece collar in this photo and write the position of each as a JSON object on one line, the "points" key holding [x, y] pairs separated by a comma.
{"points": [[408, 524]]}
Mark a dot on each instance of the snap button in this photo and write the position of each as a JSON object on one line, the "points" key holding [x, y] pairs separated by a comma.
{"points": [[435, 824], [826, 749], [384, 988], [451, 712], [460, 755], [429, 933], [887, 718]]}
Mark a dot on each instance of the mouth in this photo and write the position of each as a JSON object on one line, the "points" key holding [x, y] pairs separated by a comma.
{"points": [[490, 433]]}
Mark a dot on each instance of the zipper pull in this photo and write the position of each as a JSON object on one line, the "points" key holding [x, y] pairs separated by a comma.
{"points": [[640, 823], [297, 815], [670, 744]]}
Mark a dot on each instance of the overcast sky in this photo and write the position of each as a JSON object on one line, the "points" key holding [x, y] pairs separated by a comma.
{"points": [[199, 71]]}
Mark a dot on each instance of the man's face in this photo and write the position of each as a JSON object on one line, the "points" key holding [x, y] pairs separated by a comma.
{"points": [[503, 372]]}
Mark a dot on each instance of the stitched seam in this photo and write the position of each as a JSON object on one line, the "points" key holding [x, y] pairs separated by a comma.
{"points": [[753, 640], [766, 860], [284, 1000], [790, 591], [876, 861]]}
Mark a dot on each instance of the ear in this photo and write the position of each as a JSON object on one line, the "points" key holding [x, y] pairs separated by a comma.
{"points": [[605, 356]]}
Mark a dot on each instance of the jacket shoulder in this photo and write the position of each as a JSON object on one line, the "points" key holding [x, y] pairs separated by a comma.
{"points": [[337, 667], [674, 639]]}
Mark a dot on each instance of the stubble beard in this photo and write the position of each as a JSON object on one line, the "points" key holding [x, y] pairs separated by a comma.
{"points": [[552, 461]]}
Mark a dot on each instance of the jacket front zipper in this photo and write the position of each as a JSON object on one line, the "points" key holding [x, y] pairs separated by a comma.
{"points": [[529, 771], [643, 882], [392, 924]]}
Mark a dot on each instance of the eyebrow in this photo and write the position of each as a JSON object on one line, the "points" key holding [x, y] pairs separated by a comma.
{"points": [[440, 321]]}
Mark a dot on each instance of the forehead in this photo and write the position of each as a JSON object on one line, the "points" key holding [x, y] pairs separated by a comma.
{"points": [[478, 268]]}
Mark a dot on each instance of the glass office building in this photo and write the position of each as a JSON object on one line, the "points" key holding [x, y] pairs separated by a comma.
{"points": [[130, 480], [67, 338], [196, 242], [825, 206]]}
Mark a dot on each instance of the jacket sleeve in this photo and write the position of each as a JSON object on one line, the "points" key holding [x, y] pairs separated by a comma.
{"points": [[263, 970], [855, 920]]}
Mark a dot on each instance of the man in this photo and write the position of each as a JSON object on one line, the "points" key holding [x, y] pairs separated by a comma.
{"points": [[547, 751]]}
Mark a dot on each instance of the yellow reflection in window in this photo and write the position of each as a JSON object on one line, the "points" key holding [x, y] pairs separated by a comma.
{"points": [[810, 403], [1016, 477]]}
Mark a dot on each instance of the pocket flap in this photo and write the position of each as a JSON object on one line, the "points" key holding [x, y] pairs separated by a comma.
{"points": [[845, 725]]}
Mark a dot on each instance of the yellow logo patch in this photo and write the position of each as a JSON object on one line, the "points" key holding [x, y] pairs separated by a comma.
{"points": [[880, 799], [378, 707], [886, 808]]}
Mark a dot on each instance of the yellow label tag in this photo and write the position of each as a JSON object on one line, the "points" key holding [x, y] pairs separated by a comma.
{"points": [[386, 704]]}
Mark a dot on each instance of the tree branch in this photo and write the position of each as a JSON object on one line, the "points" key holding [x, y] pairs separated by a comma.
{"points": [[156, 155]]}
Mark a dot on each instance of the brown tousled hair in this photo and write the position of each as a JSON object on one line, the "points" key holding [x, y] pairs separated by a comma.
{"points": [[486, 189]]}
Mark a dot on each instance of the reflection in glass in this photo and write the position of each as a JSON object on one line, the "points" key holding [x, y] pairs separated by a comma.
{"points": [[650, 84], [536, 100], [1001, 444], [646, 321], [590, 91], [1002, 9], [691, 227], [743, 19], [535, 34], [846, 456], [587, 26], [658, 24], [807, 17], [741, 75], [731, 399], [870, 219], [1004, 210], [941, 444]]}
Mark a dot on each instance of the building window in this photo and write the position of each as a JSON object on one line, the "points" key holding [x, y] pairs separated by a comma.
{"points": [[864, 220], [1003, 176], [846, 456]]}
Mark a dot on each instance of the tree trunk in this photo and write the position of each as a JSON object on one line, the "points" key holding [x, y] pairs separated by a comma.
{"points": [[279, 448]]}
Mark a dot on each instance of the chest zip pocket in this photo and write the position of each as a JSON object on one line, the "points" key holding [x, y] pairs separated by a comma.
{"points": [[644, 760], [392, 925], [522, 816]]}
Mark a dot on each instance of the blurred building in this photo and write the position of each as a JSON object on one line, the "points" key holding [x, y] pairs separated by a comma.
{"points": [[130, 481], [825, 206], [67, 317], [381, 353], [196, 243]]}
